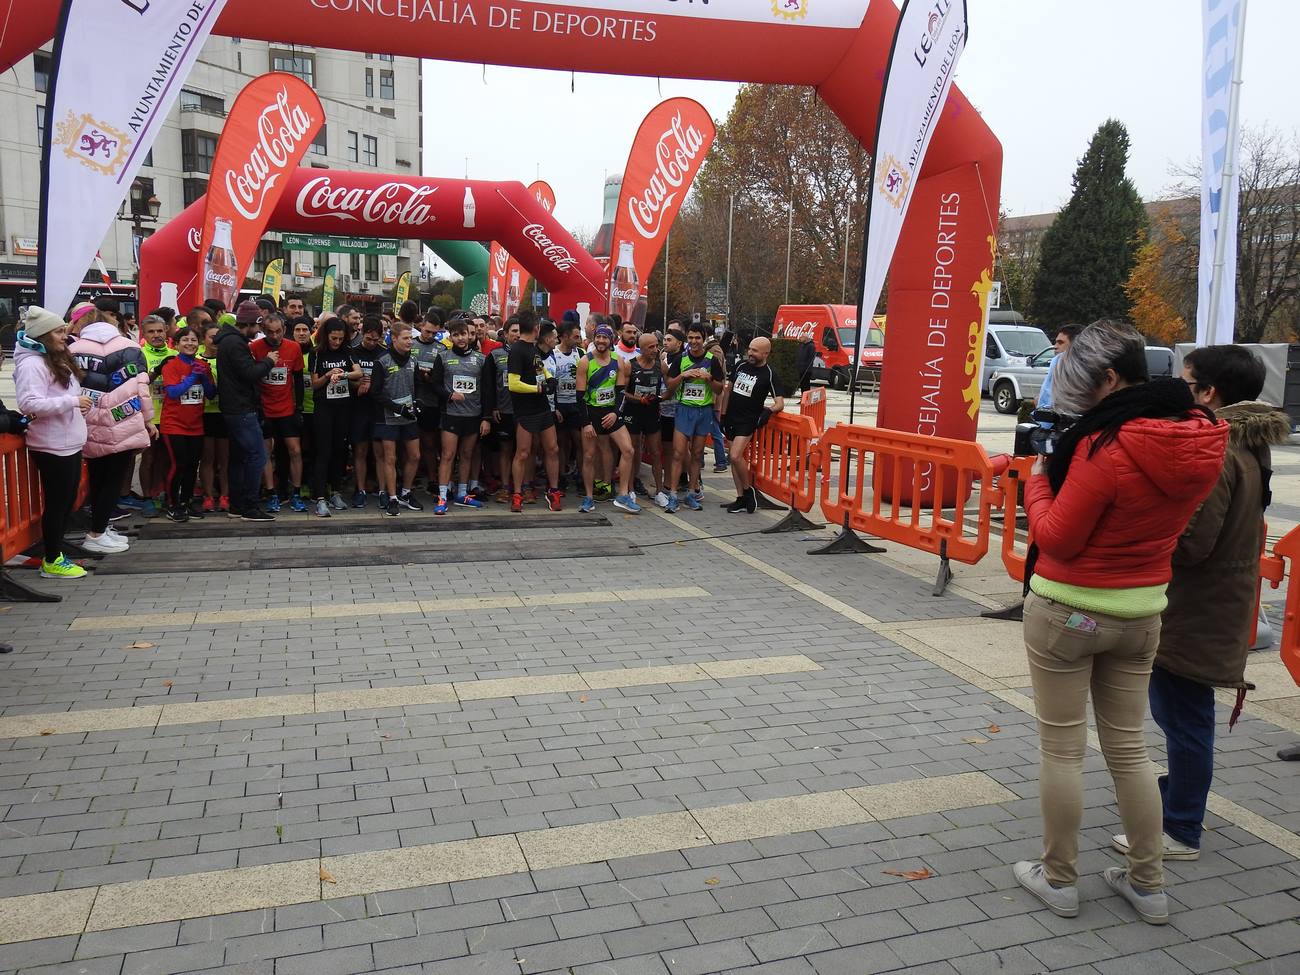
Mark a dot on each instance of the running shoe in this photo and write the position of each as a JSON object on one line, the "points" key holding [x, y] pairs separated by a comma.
{"points": [[359, 499], [177, 514], [105, 544], [62, 568], [588, 505], [441, 507], [322, 508], [256, 514], [408, 500], [555, 499], [296, 502], [627, 502], [468, 501], [273, 504], [196, 507], [110, 530], [693, 501], [131, 501], [390, 507], [383, 502], [481, 493], [639, 488], [120, 513], [529, 495], [671, 506], [661, 499], [516, 502], [751, 500], [209, 505], [738, 507], [721, 468], [223, 503], [149, 509], [502, 496], [337, 502]]}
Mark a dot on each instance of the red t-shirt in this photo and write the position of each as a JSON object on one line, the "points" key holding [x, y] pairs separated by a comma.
{"points": [[277, 387], [182, 417], [487, 345]]}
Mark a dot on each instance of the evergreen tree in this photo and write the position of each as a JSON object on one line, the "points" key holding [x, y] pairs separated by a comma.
{"points": [[1088, 253]]}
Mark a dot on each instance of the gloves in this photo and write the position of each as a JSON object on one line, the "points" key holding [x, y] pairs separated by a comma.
{"points": [[18, 422], [200, 368], [550, 385]]}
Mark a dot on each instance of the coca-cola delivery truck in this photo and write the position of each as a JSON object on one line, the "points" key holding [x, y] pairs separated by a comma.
{"points": [[834, 329]]}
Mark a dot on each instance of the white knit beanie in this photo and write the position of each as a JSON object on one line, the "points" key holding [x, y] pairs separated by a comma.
{"points": [[38, 322]]}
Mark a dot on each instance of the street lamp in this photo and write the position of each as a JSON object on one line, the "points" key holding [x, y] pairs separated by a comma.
{"points": [[143, 211]]}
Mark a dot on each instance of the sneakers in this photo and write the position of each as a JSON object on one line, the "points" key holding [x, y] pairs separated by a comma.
{"points": [[588, 505], [256, 514], [1151, 906], [273, 503], [721, 468], [105, 544], [661, 499], [627, 502], [177, 514], [119, 513], [209, 505], [112, 533], [529, 496], [751, 500], [322, 508], [131, 501], [555, 499], [337, 503], [390, 506], [63, 568], [468, 501], [740, 506], [359, 499], [1173, 849], [671, 506], [502, 496], [441, 507], [223, 503], [1061, 901], [407, 500], [383, 502], [296, 503], [639, 488], [693, 500], [516, 502]]}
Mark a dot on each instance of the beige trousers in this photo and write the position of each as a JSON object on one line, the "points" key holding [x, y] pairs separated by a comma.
{"points": [[1072, 653]]}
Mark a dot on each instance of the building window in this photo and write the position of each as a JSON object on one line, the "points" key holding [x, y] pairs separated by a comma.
{"points": [[369, 56], [319, 145], [41, 62], [267, 251], [372, 151], [302, 65], [372, 267], [320, 262], [194, 101], [354, 265], [370, 82], [352, 147], [385, 57], [193, 189], [40, 125], [387, 112], [197, 150], [148, 158], [386, 85]]}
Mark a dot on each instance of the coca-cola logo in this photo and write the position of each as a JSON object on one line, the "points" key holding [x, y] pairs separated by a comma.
{"points": [[404, 204], [195, 239], [675, 161], [280, 132], [557, 254], [796, 330], [216, 277], [619, 294], [501, 258]]}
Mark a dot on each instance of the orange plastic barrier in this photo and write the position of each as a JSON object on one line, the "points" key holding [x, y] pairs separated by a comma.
{"points": [[20, 521], [784, 459], [918, 467], [812, 404], [1013, 555], [1272, 568]]}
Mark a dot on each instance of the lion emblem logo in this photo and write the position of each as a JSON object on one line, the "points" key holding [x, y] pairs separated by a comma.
{"points": [[96, 145]]}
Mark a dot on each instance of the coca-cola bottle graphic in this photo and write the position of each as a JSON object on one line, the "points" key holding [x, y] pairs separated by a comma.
{"points": [[603, 247], [470, 208], [494, 305], [220, 269], [624, 287], [512, 294]]}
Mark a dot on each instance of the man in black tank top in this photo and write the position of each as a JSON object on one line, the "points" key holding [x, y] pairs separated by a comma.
{"points": [[645, 389]]}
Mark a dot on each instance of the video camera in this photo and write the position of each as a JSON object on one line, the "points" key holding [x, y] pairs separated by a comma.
{"points": [[1042, 433]]}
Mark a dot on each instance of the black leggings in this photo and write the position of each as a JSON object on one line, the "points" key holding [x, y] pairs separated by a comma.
{"points": [[183, 454], [331, 444], [60, 479], [106, 476]]}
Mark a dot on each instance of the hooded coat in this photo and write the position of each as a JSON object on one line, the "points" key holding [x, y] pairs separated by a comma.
{"points": [[117, 380], [57, 425], [1205, 632]]}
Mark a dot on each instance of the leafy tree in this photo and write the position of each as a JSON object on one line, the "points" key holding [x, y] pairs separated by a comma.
{"points": [[1088, 253], [1154, 286]]}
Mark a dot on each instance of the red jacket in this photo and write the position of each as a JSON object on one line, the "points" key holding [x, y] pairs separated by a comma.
{"points": [[1119, 514]]}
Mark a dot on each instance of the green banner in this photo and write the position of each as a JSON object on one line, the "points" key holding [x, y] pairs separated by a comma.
{"points": [[327, 290], [340, 245]]}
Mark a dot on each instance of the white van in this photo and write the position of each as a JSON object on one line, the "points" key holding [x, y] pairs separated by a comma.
{"points": [[1007, 346]]}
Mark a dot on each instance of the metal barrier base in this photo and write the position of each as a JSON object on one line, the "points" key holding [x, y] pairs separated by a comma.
{"points": [[945, 571], [767, 504], [794, 520], [1013, 614], [847, 542], [13, 591]]}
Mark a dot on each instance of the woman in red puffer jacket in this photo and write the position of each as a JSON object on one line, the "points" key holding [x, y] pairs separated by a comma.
{"points": [[1105, 513]]}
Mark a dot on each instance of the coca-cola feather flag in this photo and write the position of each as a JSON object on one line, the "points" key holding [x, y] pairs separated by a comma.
{"points": [[507, 278], [667, 155], [269, 129]]}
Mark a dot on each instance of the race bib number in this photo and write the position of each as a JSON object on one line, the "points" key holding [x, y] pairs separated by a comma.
{"points": [[403, 401], [193, 396], [468, 385], [338, 390], [605, 396], [695, 391], [643, 391], [744, 384], [568, 384], [278, 376]]}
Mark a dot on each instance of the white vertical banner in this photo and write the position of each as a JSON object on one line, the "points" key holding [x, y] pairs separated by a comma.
{"points": [[1223, 28], [102, 117], [930, 38]]}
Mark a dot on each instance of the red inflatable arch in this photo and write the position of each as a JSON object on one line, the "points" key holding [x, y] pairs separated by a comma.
{"points": [[941, 273], [330, 201]]}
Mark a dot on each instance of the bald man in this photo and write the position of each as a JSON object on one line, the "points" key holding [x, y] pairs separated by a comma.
{"points": [[645, 388], [743, 409]]}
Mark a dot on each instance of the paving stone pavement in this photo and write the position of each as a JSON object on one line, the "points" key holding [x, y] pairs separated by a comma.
{"points": [[91, 810]]}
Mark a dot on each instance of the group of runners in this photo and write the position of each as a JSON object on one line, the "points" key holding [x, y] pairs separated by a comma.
{"points": [[518, 412]]}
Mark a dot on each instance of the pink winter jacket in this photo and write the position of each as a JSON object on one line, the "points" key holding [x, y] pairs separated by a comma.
{"points": [[57, 424], [118, 382]]}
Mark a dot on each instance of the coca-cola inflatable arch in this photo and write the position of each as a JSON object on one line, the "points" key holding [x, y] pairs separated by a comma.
{"points": [[320, 201], [941, 274]]}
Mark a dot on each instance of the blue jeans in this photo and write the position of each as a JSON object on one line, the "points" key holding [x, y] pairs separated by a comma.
{"points": [[719, 448], [247, 459], [1184, 710]]}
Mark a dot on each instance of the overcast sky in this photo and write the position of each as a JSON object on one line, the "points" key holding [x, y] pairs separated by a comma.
{"points": [[1045, 74]]}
